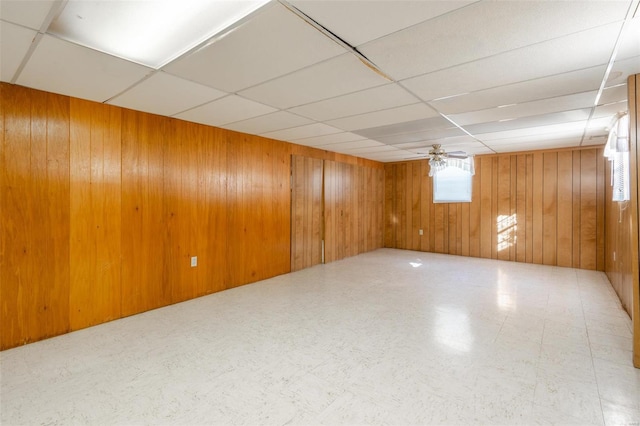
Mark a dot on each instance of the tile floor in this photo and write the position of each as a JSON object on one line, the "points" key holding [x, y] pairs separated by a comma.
{"points": [[388, 337]]}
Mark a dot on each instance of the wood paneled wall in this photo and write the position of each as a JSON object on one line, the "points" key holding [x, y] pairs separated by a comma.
{"points": [[353, 210], [339, 203], [622, 233], [539, 207], [307, 218], [102, 208]]}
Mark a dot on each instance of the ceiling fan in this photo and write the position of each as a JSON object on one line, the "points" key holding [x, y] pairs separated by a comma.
{"points": [[438, 157]]}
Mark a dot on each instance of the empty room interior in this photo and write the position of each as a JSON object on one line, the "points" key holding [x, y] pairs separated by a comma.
{"points": [[300, 212]]}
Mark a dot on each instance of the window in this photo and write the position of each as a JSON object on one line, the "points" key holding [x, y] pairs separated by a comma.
{"points": [[452, 185], [617, 151]]}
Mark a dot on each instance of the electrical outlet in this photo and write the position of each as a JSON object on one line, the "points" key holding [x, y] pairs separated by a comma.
{"points": [[194, 261], [420, 232]]}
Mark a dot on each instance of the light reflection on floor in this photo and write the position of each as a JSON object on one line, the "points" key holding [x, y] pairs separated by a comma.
{"points": [[367, 340]]}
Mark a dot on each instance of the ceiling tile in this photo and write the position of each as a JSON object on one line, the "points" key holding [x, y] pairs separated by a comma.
{"points": [[578, 51], [61, 67], [268, 123], [306, 131], [334, 77], [610, 110], [272, 43], [484, 29], [531, 90], [629, 45], [614, 94], [165, 94], [328, 139], [526, 109], [16, 41], [385, 117], [539, 132], [433, 135], [534, 146], [455, 140], [28, 13], [380, 148], [408, 127], [226, 110], [622, 69], [349, 146], [369, 100], [359, 21], [532, 121]]}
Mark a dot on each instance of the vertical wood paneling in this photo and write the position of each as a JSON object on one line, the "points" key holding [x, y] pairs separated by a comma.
{"points": [[538, 209], [521, 208], [306, 212], [474, 213], [144, 231], [529, 209], [588, 213], [34, 288], [526, 207], [621, 246], [549, 208], [577, 173], [503, 219], [565, 207], [487, 221], [102, 209], [95, 239], [600, 203]]}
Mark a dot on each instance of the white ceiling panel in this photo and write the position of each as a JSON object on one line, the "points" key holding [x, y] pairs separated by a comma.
{"points": [[577, 51], [541, 132], [329, 139], [11, 53], [61, 67], [531, 90], [532, 121], [268, 123], [306, 131], [629, 43], [526, 109], [433, 135], [622, 69], [484, 29], [348, 146], [614, 94], [534, 146], [446, 142], [28, 13], [334, 77], [610, 110], [379, 149], [273, 43], [415, 126], [226, 110], [165, 94], [369, 100], [359, 21], [380, 118]]}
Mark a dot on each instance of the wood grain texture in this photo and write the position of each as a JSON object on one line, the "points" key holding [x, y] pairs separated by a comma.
{"points": [[306, 212], [621, 232], [103, 208], [34, 187], [519, 202], [95, 239]]}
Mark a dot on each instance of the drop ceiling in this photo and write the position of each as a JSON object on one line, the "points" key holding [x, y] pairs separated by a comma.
{"points": [[382, 80]]}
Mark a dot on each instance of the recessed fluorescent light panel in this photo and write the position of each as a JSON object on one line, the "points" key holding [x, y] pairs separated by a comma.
{"points": [[149, 32]]}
